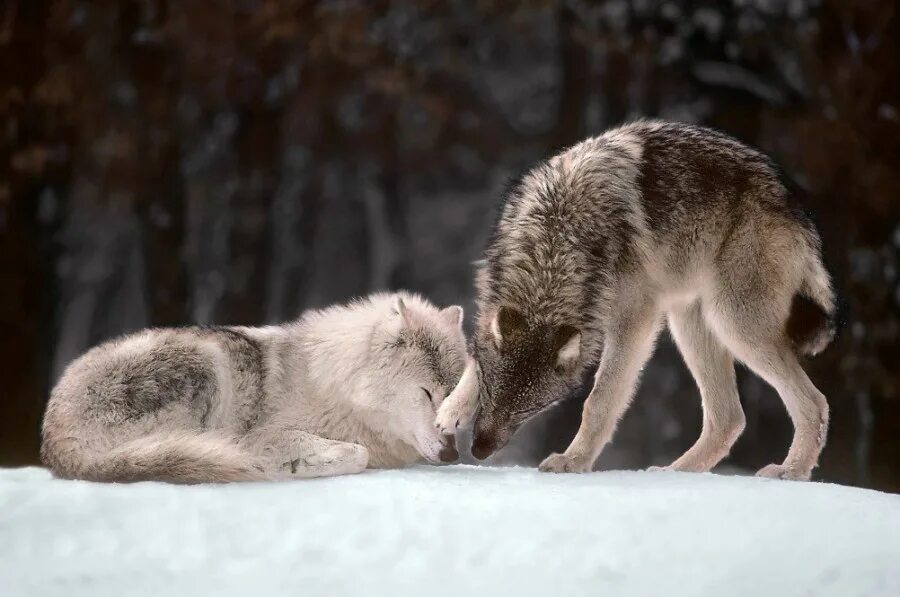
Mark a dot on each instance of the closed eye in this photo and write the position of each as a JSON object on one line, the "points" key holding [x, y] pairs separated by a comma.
{"points": [[527, 412], [427, 393], [531, 410]]}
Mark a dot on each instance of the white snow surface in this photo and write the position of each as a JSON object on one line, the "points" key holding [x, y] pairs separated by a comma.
{"points": [[454, 530]]}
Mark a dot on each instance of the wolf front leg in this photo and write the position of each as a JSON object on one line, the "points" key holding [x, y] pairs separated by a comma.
{"points": [[458, 409], [287, 452], [628, 344]]}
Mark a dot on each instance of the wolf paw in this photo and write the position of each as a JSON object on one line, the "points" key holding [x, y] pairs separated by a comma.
{"points": [[782, 471], [681, 467], [560, 463], [338, 458], [353, 457], [449, 417]]}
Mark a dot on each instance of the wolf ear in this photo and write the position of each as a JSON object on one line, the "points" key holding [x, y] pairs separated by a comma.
{"points": [[506, 324], [401, 310], [567, 343], [453, 315]]}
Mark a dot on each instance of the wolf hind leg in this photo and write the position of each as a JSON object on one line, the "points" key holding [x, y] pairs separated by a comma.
{"points": [[712, 367], [761, 344], [286, 452], [757, 274]]}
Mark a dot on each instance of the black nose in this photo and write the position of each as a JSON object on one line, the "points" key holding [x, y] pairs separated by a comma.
{"points": [[449, 452], [482, 447]]}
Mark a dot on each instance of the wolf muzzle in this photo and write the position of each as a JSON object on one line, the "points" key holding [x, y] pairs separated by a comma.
{"points": [[486, 443], [449, 453], [482, 447]]}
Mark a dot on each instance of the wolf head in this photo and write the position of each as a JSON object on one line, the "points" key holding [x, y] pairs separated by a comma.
{"points": [[423, 359], [526, 366]]}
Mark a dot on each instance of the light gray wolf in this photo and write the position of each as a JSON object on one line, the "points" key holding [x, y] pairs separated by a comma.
{"points": [[596, 247], [332, 393]]}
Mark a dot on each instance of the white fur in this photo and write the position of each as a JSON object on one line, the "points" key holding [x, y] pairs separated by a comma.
{"points": [[570, 351], [332, 393]]}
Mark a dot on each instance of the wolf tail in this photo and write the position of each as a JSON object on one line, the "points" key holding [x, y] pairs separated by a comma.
{"points": [[811, 324], [178, 457]]}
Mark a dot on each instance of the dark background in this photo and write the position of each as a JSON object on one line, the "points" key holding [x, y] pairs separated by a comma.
{"points": [[236, 162]]}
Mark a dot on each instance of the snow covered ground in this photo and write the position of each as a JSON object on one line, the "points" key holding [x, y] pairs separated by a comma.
{"points": [[456, 530]]}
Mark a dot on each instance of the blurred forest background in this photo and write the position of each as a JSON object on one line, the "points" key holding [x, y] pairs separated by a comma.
{"points": [[169, 162]]}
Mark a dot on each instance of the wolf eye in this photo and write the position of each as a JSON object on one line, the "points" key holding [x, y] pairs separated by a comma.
{"points": [[427, 393]]}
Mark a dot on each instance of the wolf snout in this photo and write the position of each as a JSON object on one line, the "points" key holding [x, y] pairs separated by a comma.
{"points": [[448, 452], [483, 446]]}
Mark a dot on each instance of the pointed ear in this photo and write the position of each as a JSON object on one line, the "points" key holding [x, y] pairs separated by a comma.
{"points": [[567, 343], [507, 323], [401, 310], [453, 315]]}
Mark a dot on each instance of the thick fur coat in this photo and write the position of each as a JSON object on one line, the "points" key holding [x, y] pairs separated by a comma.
{"points": [[649, 223], [336, 391]]}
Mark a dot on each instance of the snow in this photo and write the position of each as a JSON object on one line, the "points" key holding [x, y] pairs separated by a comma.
{"points": [[449, 531]]}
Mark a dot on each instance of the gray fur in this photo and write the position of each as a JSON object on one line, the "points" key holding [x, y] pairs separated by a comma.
{"points": [[334, 392], [599, 245]]}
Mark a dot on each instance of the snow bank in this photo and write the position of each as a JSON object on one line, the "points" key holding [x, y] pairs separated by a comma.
{"points": [[456, 530]]}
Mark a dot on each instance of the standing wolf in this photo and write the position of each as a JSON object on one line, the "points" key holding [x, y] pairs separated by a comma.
{"points": [[329, 394], [594, 248]]}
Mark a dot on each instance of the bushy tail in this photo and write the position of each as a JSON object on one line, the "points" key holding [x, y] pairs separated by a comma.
{"points": [[178, 457], [811, 323]]}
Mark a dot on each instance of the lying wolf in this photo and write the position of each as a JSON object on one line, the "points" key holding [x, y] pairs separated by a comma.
{"points": [[329, 394], [595, 247]]}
